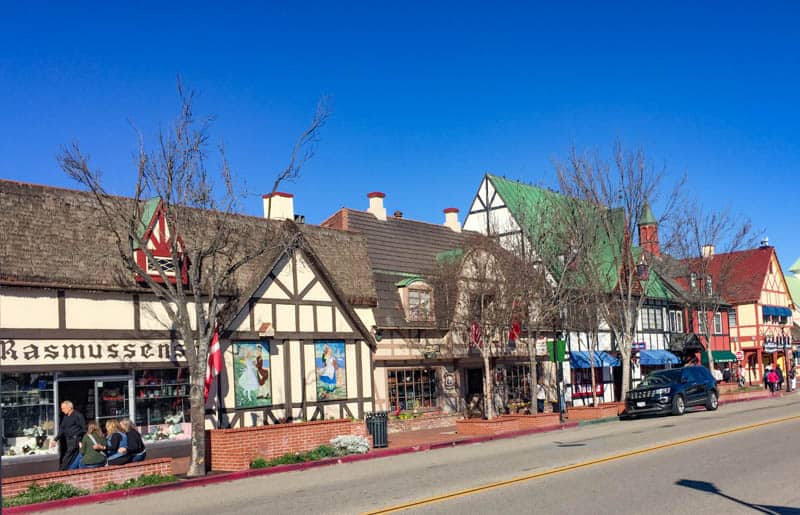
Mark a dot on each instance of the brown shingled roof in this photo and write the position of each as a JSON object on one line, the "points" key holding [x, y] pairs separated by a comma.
{"points": [[398, 248], [54, 237]]}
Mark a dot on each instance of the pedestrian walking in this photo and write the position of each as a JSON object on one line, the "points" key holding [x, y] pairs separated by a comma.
{"points": [[541, 395], [772, 379], [779, 372], [766, 377], [70, 432]]}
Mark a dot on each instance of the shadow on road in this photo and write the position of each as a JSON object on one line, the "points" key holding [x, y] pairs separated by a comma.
{"points": [[705, 486]]}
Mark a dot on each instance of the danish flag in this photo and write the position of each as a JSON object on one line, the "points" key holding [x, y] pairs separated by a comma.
{"points": [[475, 335], [214, 362]]}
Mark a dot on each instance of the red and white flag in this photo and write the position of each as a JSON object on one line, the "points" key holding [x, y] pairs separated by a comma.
{"points": [[214, 362], [475, 335]]}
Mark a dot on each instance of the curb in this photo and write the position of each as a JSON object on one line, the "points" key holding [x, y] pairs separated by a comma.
{"points": [[598, 421]]}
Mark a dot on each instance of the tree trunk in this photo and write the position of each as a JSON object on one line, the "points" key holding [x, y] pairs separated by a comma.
{"points": [[625, 353], [197, 463], [591, 371], [488, 387], [534, 379]]}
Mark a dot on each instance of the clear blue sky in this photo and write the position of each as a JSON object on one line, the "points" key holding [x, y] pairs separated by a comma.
{"points": [[426, 97]]}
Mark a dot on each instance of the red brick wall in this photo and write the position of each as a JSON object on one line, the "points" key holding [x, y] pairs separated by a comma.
{"points": [[89, 479], [592, 412], [477, 426], [423, 422], [537, 421], [234, 449]]}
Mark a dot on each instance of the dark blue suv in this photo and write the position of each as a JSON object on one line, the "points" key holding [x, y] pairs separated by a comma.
{"points": [[672, 391]]}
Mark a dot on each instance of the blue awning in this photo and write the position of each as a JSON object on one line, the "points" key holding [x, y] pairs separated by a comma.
{"points": [[580, 359], [776, 311], [657, 357]]}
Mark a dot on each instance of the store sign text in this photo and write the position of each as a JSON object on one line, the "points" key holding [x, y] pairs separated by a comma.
{"points": [[13, 352]]}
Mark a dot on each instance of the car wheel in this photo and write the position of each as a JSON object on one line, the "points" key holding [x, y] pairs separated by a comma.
{"points": [[712, 402], [678, 405]]}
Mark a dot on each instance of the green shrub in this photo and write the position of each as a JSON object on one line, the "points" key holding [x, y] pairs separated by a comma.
{"points": [[36, 493], [145, 480], [323, 451]]}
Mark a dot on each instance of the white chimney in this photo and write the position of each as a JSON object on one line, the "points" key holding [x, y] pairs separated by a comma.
{"points": [[707, 250], [278, 206], [451, 219], [376, 205]]}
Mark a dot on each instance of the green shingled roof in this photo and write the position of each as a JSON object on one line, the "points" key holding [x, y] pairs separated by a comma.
{"points": [[530, 204], [795, 268]]}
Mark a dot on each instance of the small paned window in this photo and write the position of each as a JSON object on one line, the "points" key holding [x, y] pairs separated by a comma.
{"points": [[717, 323], [731, 318], [412, 388], [675, 321], [164, 263], [419, 304]]}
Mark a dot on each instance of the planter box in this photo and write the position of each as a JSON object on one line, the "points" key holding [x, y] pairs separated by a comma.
{"points": [[611, 409], [536, 421], [505, 424], [481, 427], [89, 479], [234, 449], [424, 422]]}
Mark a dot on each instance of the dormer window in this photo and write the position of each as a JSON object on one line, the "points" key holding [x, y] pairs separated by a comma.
{"points": [[417, 298], [693, 281], [155, 234], [709, 287]]}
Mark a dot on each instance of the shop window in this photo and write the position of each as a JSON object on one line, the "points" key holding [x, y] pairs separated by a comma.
{"points": [[28, 407], [518, 382], [582, 383], [412, 388], [162, 404]]}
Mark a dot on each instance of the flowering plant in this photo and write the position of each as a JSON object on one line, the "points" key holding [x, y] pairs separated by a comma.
{"points": [[350, 444]]}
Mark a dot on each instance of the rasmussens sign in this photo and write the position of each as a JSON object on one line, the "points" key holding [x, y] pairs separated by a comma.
{"points": [[69, 352]]}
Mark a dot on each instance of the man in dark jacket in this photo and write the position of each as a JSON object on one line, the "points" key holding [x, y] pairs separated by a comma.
{"points": [[70, 432]]}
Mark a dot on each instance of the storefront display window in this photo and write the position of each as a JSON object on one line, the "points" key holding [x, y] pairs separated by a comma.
{"points": [[412, 388], [517, 382], [28, 413], [162, 404]]}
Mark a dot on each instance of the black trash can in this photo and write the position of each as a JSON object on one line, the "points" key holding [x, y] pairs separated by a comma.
{"points": [[378, 427]]}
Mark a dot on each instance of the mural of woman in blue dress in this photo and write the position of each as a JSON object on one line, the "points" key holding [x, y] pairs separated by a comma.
{"points": [[331, 375]]}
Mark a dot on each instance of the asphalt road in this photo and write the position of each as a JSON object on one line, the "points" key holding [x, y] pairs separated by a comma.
{"points": [[743, 458]]}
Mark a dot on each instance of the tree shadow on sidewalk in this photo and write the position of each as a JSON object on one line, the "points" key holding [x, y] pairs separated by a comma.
{"points": [[705, 486]]}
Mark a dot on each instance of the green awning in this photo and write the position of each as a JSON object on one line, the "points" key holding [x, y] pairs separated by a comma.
{"points": [[719, 356]]}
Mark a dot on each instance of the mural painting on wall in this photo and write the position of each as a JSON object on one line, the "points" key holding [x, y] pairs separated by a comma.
{"points": [[252, 380], [329, 357]]}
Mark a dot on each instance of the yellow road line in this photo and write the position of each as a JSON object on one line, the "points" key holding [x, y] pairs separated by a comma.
{"points": [[558, 470]]}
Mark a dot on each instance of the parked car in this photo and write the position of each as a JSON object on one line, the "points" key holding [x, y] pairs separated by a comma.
{"points": [[672, 391]]}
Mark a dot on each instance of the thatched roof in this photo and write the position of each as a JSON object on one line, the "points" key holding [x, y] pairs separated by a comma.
{"points": [[54, 237]]}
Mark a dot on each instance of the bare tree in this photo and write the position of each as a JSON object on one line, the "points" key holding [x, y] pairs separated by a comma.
{"points": [[205, 246], [615, 193], [709, 278]]}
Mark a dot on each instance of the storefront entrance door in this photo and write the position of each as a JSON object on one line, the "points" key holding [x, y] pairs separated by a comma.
{"points": [[98, 398]]}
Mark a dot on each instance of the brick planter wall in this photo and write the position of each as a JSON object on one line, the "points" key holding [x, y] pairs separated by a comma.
{"points": [[89, 479], [234, 449], [610, 409], [536, 421], [481, 427], [423, 422]]}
